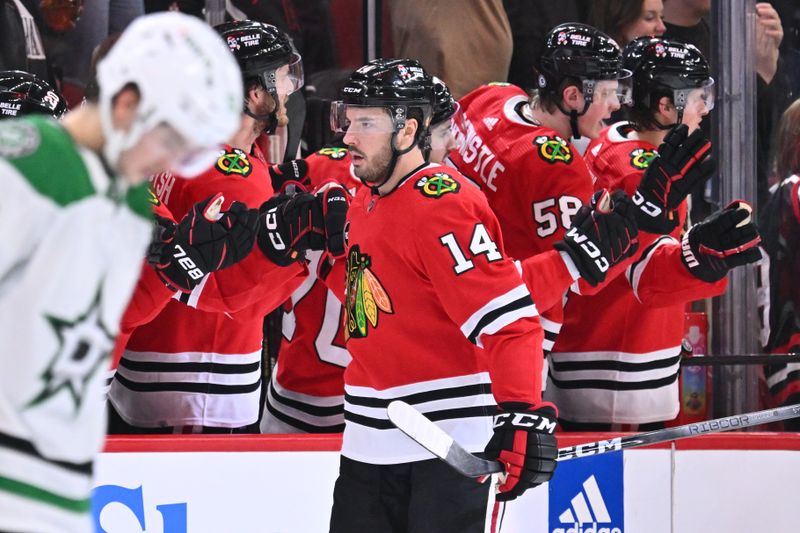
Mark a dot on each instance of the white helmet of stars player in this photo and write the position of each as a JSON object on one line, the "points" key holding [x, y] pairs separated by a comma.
{"points": [[188, 83]]}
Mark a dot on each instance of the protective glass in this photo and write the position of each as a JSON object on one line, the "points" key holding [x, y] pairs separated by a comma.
{"points": [[360, 119], [290, 78], [608, 92], [625, 91]]}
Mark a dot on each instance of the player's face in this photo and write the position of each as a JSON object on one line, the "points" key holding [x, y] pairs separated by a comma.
{"points": [[604, 102], [283, 84], [649, 22], [368, 136], [442, 141], [164, 149], [696, 109]]}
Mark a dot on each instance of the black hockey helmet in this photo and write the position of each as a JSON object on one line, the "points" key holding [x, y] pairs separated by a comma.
{"points": [[444, 105], [402, 87], [662, 66], [22, 93], [581, 52], [261, 49]]}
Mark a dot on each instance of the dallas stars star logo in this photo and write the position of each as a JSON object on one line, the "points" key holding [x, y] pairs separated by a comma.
{"points": [[83, 345]]}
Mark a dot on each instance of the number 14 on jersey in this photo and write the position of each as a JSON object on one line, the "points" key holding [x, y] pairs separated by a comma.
{"points": [[480, 243]]}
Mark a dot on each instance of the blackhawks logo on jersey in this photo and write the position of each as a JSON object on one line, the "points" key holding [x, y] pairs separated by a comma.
{"points": [[553, 149], [234, 162], [333, 152], [437, 185], [365, 297], [641, 158]]}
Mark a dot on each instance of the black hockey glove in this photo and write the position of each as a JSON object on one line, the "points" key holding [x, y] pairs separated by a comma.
{"points": [[683, 162], [525, 443], [601, 235], [335, 202], [184, 253], [289, 226], [295, 171], [726, 239]]}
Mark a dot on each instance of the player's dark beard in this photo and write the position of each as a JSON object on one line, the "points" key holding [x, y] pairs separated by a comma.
{"points": [[375, 171]]}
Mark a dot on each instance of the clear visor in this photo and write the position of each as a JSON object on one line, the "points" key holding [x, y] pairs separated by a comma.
{"points": [[694, 98], [625, 91], [442, 135], [609, 92], [289, 78], [352, 118]]}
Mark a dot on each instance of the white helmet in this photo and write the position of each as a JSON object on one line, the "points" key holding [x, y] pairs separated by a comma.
{"points": [[186, 77]]}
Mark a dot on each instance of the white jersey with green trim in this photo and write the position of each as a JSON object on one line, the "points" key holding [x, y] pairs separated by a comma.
{"points": [[73, 240]]}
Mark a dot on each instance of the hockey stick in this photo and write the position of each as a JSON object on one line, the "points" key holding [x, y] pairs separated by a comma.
{"points": [[439, 443]]}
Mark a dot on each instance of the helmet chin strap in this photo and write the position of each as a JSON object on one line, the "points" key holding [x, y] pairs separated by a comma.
{"points": [[573, 117], [665, 127], [270, 118]]}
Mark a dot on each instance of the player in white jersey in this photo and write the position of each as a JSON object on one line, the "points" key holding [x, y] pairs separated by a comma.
{"points": [[79, 222]]}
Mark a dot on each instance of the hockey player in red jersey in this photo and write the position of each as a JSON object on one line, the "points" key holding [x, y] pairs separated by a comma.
{"points": [[436, 314], [519, 151], [306, 390], [617, 358], [198, 362]]}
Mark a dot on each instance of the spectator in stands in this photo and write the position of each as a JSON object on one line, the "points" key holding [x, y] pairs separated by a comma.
{"points": [[433, 31], [772, 89], [530, 21], [780, 225], [21, 43], [72, 50], [625, 20]]}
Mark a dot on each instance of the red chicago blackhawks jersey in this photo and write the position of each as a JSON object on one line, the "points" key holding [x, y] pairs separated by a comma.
{"points": [[436, 314], [198, 362], [306, 391], [534, 179], [779, 290], [618, 355]]}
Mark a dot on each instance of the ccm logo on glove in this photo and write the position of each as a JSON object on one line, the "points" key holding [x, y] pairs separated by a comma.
{"points": [[525, 420]]}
